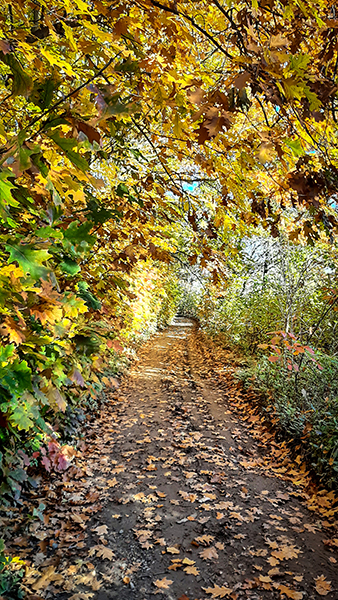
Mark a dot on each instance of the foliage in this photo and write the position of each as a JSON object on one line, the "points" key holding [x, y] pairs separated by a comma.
{"points": [[293, 368], [11, 573]]}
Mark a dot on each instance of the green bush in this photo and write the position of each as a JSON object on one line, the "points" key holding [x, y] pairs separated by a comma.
{"points": [[11, 574], [305, 404]]}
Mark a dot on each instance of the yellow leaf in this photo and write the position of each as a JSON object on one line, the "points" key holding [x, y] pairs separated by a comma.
{"points": [[173, 550]]}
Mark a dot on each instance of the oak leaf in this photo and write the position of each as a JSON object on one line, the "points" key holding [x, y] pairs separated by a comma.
{"points": [[323, 587], [48, 577], [289, 593], [104, 552], [209, 553], [101, 529], [205, 539], [217, 591], [286, 553], [191, 570], [163, 584]]}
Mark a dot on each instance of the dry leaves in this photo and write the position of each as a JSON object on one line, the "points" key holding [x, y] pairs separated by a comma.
{"points": [[101, 529], [289, 593], [218, 592], [48, 577], [323, 587], [204, 539], [173, 550], [163, 584], [209, 553], [191, 570]]}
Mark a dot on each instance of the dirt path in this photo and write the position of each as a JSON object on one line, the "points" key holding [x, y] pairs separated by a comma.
{"points": [[186, 511]]}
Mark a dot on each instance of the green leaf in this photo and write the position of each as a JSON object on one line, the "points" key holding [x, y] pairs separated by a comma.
{"points": [[121, 190], [48, 232], [299, 63], [20, 419], [67, 145], [19, 475], [295, 146], [70, 266], [77, 234], [6, 198], [21, 82], [15, 377], [42, 93], [30, 259]]}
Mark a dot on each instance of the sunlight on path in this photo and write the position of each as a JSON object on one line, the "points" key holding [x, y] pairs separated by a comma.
{"points": [[188, 510]]}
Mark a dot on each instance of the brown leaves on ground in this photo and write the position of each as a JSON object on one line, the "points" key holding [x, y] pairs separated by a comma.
{"points": [[163, 584], [218, 592], [286, 552], [205, 539], [323, 587], [102, 551], [49, 575], [209, 553], [206, 517], [289, 593], [191, 570]]}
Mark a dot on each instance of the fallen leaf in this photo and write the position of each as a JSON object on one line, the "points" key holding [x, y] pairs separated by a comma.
{"points": [[163, 584], [81, 596], [205, 539], [173, 550], [187, 561], [289, 593], [112, 482], [48, 576], [219, 545], [217, 591], [286, 553], [191, 570], [323, 587], [101, 529], [209, 553], [104, 552]]}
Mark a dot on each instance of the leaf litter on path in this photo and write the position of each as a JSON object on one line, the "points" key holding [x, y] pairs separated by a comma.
{"points": [[176, 494]]}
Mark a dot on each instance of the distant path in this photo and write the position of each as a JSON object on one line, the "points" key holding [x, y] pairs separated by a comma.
{"points": [[185, 514]]}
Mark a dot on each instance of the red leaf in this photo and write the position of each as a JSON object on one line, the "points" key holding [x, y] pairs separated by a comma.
{"points": [[273, 358], [91, 133], [63, 463], [76, 377], [46, 463], [117, 346]]}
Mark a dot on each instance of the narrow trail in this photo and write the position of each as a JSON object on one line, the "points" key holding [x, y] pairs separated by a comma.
{"points": [[186, 513]]}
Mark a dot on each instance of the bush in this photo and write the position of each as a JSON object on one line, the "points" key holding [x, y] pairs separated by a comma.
{"points": [[305, 404], [11, 574]]}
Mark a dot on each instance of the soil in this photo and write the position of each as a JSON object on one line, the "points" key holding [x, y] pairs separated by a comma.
{"points": [[173, 499]]}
